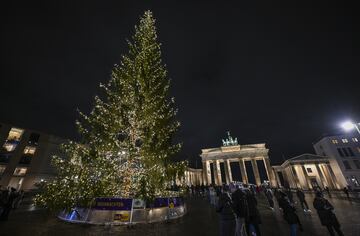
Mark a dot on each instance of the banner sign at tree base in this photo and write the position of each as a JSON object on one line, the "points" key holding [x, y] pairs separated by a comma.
{"points": [[115, 204]]}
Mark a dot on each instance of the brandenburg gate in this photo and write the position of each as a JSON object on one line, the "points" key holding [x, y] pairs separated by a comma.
{"points": [[231, 152]]}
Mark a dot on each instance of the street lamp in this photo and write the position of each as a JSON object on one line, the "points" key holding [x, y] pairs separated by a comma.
{"points": [[348, 125]]}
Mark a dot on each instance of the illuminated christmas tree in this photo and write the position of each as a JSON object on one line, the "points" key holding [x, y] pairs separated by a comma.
{"points": [[126, 145]]}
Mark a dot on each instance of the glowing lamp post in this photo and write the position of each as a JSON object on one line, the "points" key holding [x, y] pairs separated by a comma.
{"points": [[348, 125]]}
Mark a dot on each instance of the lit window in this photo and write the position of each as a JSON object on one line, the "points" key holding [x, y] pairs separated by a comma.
{"points": [[344, 140], [334, 141], [2, 169], [15, 134], [29, 150], [20, 171], [13, 139], [355, 140], [309, 170], [347, 165], [9, 147]]}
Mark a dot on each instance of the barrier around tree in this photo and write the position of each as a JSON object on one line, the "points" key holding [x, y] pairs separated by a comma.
{"points": [[123, 211]]}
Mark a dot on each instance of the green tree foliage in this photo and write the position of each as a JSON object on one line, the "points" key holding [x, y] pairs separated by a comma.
{"points": [[126, 145]]}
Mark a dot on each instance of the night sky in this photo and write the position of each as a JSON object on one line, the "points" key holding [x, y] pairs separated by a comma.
{"points": [[275, 73]]}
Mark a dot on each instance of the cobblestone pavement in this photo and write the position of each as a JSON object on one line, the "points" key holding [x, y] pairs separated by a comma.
{"points": [[200, 220]]}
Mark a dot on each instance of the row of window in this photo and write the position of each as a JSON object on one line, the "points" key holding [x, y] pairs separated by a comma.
{"points": [[28, 153], [12, 142], [344, 140], [14, 138], [19, 171], [348, 167], [345, 152]]}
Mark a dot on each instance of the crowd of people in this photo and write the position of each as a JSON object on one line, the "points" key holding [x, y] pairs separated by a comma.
{"points": [[10, 199], [237, 205]]}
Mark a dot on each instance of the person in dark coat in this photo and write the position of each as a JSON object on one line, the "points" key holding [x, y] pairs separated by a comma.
{"points": [[326, 214], [241, 211], [301, 196], [289, 214], [253, 220], [269, 197], [227, 215], [290, 195]]}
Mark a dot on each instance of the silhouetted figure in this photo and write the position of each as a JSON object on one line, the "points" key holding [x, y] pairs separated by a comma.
{"points": [[253, 220], [227, 215], [269, 197], [241, 210], [326, 214], [289, 214], [300, 194], [290, 195]]}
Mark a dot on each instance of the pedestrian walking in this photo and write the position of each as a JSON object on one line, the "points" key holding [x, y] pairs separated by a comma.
{"points": [[326, 214], [289, 214], [269, 196], [301, 196], [253, 220], [227, 215], [212, 195], [241, 211]]}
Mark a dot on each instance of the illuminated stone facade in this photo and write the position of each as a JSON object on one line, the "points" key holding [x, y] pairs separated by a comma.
{"points": [[218, 162], [308, 171], [239, 154]]}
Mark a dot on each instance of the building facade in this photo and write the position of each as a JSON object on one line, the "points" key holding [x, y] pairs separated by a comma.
{"points": [[25, 156], [251, 162], [343, 152], [308, 171], [193, 177]]}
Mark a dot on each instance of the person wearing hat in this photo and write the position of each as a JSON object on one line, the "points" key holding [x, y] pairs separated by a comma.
{"points": [[326, 214]]}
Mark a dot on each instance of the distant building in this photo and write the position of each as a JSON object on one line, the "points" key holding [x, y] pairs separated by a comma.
{"points": [[344, 154], [250, 161], [193, 177], [25, 156], [308, 171]]}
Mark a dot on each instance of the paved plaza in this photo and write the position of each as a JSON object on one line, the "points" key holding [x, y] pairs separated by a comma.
{"points": [[200, 220]]}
